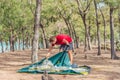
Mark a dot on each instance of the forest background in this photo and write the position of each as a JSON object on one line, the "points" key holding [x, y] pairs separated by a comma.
{"points": [[89, 22]]}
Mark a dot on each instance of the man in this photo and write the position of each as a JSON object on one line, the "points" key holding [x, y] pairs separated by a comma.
{"points": [[65, 42]]}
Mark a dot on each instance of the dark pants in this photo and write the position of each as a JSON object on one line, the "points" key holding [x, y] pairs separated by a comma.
{"points": [[66, 47]]}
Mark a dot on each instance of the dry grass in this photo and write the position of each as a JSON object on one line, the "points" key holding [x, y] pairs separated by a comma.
{"points": [[103, 68]]}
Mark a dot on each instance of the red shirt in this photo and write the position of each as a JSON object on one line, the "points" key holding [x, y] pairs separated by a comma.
{"points": [[60, 38]]}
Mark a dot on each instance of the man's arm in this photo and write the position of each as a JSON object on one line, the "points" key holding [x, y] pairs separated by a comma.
{"points": [[65, 41], [50, 48]]}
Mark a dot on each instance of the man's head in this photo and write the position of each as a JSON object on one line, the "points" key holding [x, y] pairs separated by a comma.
{"points": [[52, 40]]}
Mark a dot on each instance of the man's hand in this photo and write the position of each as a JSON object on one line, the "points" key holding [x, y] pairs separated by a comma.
{"points": [[48, 54]]}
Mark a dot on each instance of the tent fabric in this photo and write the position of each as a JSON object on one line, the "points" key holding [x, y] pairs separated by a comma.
{"points": [[57, 64]]}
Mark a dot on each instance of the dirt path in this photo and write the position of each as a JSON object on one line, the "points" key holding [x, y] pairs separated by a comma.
{"points": [[103, 68]]}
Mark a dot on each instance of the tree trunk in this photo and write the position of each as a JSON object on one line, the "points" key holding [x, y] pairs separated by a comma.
{"points": [[76, 39], [119, 21], [83, 14], [87, 37], [89, 32], [67, 24], [74, 36], [71, 29], [104, 22], [23, 39], [36, 32], [27, 42], [23, 44], [113, 53], [44, 37], [12, 41], [19, 44], [98, 29], [7, 45], [43, 41], [2, 46]]}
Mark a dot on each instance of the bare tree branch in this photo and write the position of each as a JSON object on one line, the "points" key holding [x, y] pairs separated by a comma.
{"points": [[86, 10], [79, 7]]}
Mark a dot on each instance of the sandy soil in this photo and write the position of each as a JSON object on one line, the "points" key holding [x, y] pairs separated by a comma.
{"points": [[103, 68]]}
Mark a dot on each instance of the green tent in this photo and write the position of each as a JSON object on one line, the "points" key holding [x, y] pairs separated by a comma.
{"points": [[57, 64]]}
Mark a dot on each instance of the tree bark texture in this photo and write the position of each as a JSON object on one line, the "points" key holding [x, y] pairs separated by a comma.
{"points": [[36, 32], [98, 29], [113, 54]]}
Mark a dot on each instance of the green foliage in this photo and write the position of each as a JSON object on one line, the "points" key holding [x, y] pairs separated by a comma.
{"points": [[14, 16], [112, 3], [18, 15]]}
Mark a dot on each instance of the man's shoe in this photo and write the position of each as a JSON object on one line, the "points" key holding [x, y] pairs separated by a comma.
{"points": [[74, 65]]}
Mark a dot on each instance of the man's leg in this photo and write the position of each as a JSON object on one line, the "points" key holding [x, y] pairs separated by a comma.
{"points": [[70, 56]]}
